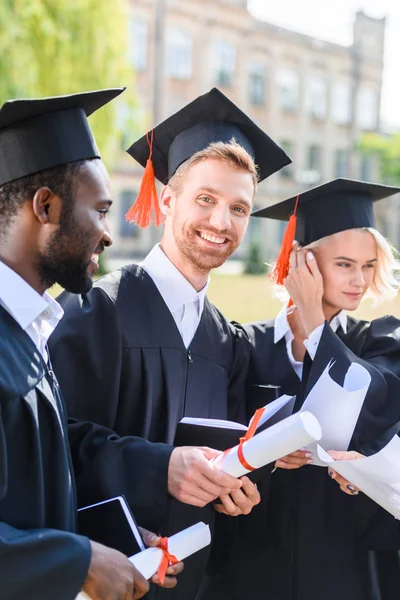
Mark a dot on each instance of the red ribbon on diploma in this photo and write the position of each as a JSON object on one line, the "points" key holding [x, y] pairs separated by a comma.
{"points": [[167, 559], [249, 434]]}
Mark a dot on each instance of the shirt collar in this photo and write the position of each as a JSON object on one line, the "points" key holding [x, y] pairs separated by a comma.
{"points": [[23, 303], [282, 327], [174, 288]]}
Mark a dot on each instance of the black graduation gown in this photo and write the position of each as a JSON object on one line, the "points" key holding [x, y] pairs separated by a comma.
{"points": [[131, 372], [41, 558], [308, 540]]}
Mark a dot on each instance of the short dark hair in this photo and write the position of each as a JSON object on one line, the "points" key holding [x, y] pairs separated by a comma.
{"points": [[61, 180]]}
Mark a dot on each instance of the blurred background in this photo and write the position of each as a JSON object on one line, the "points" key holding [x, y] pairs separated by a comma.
{"points": [[320, 77]]}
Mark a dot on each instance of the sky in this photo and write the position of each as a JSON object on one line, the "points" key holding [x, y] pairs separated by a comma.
{"points": [[333, 21]]}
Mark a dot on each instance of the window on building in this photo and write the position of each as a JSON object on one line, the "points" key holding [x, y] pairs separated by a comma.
{"points": [[316, 100], [367, 108], [341, 102], [137, 43], [288, 89], [225, 63], [314, 162], [179, 53], [126, 229], [288, 171], [341, 163], [257, 81]]}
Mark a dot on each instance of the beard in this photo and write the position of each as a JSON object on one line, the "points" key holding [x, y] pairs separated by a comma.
{"points": [[203, 259], [57, 263]]}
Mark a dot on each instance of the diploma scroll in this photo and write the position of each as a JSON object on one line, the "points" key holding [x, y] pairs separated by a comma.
{"points": [[182, 544], [337, 408], [285, 437], [377, 476]]}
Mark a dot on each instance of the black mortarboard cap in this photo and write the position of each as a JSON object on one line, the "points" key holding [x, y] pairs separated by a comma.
{"points": [[38, 134], [212, 117], [329, 208]]}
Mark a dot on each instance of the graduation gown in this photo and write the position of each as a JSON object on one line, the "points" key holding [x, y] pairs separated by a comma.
{"points": [[308, 540], [41, 558], [131, 372]]}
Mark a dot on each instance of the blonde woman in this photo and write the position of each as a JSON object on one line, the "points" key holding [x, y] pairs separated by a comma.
{"points": [[308, 540]]}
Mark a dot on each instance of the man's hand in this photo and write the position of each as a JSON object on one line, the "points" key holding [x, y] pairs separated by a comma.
{"points": [[152, 540], [112, 577], [346, 486], [193, 479], [295, 460], [240, 502]]}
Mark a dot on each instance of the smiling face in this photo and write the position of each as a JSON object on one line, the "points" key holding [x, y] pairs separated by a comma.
{"points": [[347, 261], [71, 252], [207, 218]]}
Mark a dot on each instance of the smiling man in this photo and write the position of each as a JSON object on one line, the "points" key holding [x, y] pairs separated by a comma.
{"points": [[151, 346]]}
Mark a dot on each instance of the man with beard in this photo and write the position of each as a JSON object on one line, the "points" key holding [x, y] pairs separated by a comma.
{"points": [[151, 346], [54, 196]]}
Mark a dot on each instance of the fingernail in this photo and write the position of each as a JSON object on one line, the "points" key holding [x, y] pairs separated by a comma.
{"points": [[274, 469], [308, 455], [309, 461], [352, 490], [310, 256], [330, 473]]}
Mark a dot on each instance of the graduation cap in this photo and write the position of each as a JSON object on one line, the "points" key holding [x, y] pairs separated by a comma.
{"points": [[324, 210], [210, 118], [38, 134]]}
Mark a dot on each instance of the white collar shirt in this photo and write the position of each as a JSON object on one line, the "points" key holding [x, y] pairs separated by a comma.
{"points": [[282, 330], [37, 315], [184, 303]]}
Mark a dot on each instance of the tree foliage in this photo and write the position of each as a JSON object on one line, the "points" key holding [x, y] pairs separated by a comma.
{"points": [[387, 149], [51, 47], [254, 265]]}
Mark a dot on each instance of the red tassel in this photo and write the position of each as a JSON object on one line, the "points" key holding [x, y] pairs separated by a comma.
{"points": [[281, 267], [146, 203]]}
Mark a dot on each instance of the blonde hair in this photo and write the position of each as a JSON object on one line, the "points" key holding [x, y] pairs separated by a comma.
{"points": [[385, 284], [230, 153]]}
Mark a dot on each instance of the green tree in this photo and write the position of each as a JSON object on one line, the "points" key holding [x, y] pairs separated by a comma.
{"points": [[387, 150], [51, 47], [253, 264]]}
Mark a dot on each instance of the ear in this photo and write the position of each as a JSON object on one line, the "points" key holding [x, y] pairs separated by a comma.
{"points": [[167, 201], [46, 206]]}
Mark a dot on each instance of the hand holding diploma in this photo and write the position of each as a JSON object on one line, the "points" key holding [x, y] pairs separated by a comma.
{"points": [[180, 546], [266, 447]]}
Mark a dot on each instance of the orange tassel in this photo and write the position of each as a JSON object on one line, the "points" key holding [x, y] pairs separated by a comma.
{"points": [[141, 212], [281, 267]]}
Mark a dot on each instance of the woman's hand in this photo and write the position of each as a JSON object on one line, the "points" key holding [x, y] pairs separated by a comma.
{"points": [[295, 460], [305, 286], [346, 486]]}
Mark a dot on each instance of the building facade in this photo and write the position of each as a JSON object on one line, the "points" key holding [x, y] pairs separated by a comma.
{"points": [[314, 97]]}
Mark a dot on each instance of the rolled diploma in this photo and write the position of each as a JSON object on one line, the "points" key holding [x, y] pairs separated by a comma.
{"points": [[285, 437], [182, 544]]}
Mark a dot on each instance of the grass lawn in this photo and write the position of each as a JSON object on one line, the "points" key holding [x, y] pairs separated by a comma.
{"points": [[249, 298]]}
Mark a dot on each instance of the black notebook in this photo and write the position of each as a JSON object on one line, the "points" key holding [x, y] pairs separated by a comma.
{"points": [[111, 523], [220, 435]]}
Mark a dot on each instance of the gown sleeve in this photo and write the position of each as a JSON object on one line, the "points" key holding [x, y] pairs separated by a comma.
{"points": [[39, 564], [107, 465], [378, 350]]}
